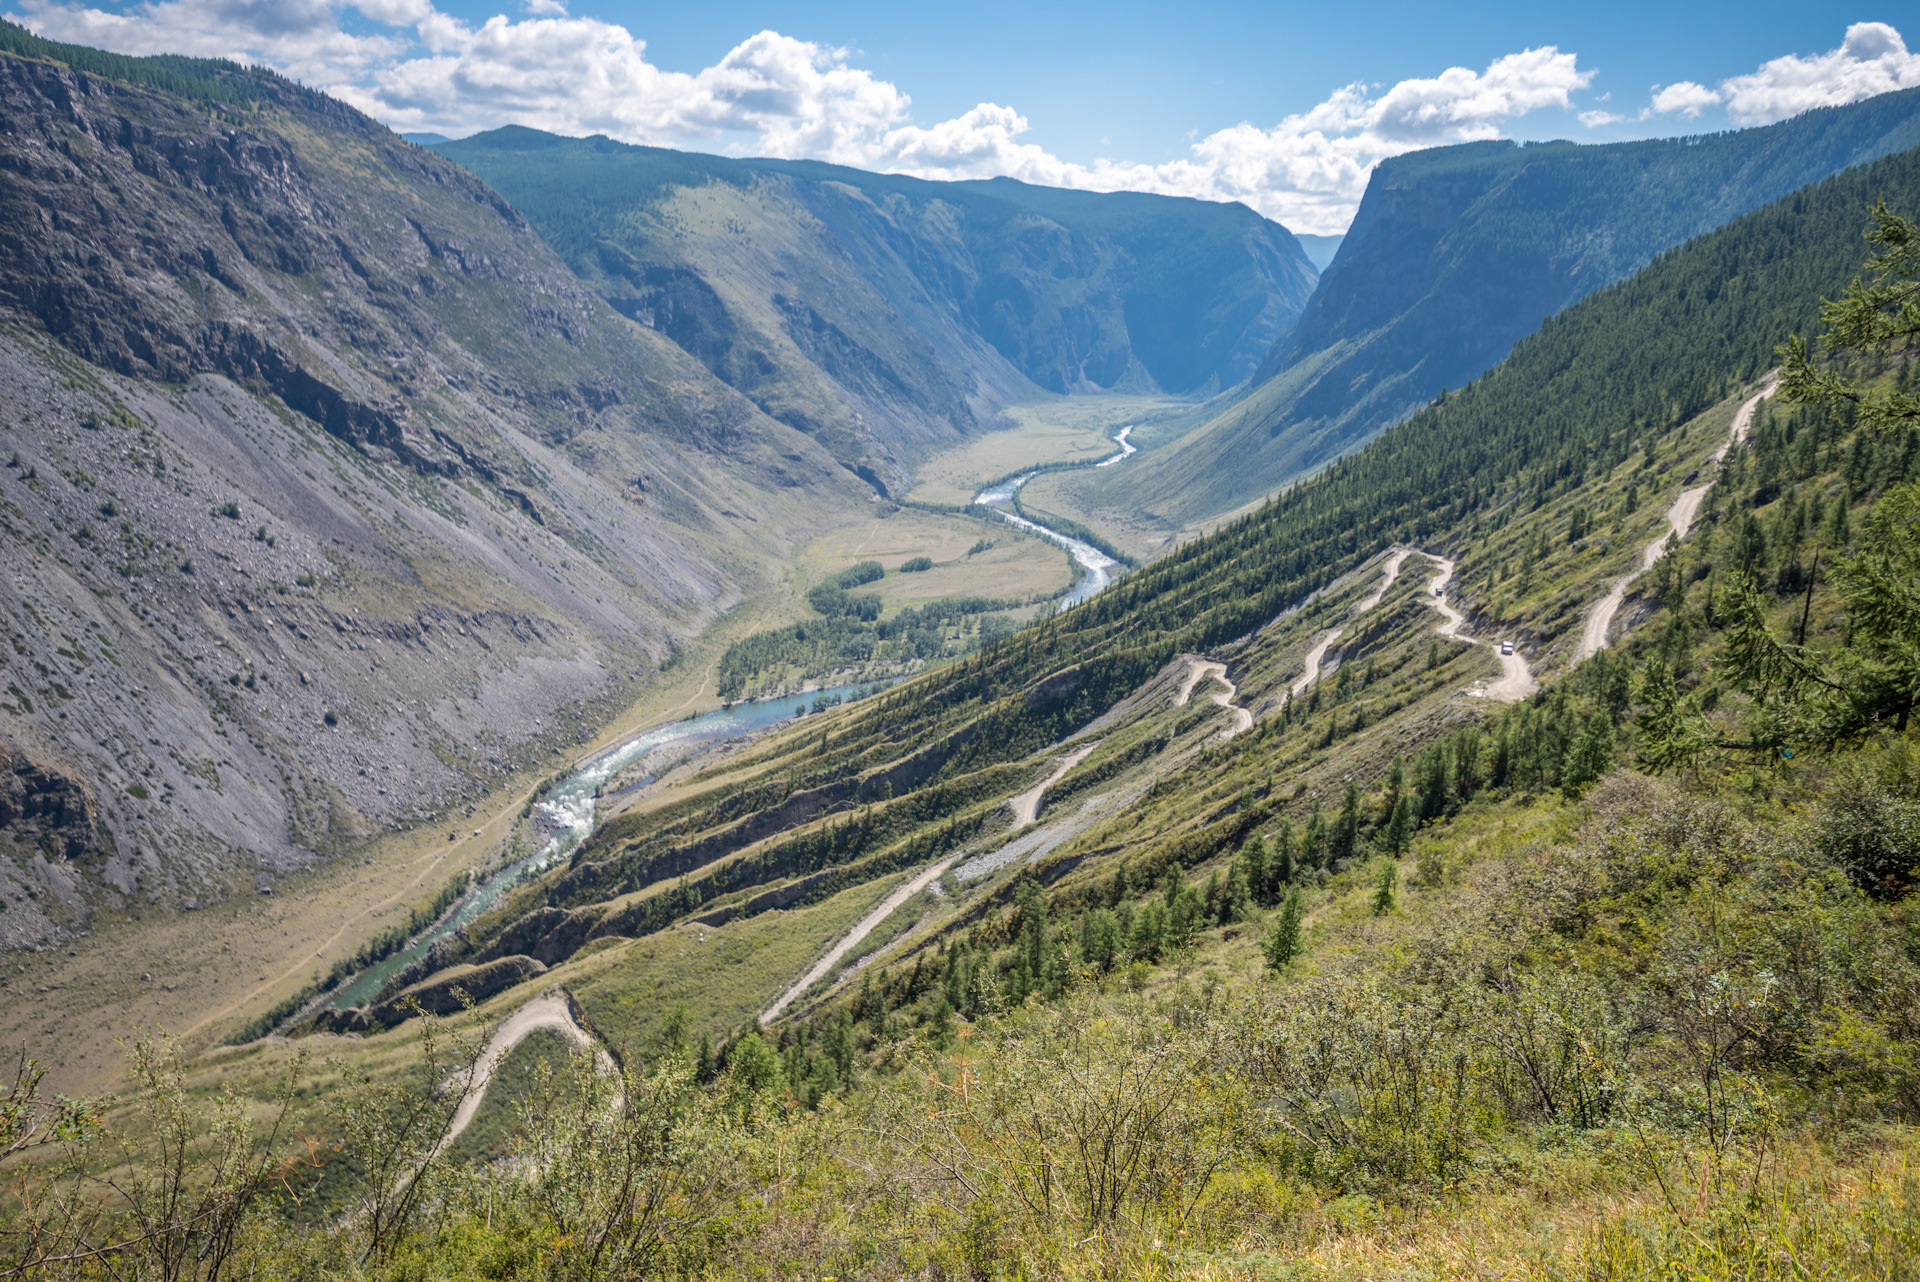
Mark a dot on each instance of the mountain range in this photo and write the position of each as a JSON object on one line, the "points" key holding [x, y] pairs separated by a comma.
{"points": [[332, 493], [1456, 254], [1501, 827], [890, 317]]}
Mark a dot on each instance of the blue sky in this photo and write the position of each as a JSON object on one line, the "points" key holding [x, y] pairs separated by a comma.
{"points": [[1284, 107], [1145, 75]]}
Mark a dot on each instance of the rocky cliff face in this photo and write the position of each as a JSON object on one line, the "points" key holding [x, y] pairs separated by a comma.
{"points": [[330, 493]]}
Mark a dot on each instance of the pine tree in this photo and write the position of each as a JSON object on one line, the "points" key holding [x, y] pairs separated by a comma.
{"points": [[1313, 844], [1283, 870], [703, 1065], [1396, 786], [1034, 942], [1255, 865], [1400, 826], [1239, 896], [1591, 755], [1384, 886], [1346, 830], [1805, 696], [1283, 941]]}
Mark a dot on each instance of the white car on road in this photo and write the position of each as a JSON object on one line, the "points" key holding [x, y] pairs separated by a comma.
{"points": [[1506, 647]]}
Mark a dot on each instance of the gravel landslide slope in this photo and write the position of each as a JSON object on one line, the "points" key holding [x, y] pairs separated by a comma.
{"points": [[330, 493]]}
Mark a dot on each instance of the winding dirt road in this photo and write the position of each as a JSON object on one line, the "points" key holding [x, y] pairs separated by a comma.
{"points": [[901, 894], [549, 1010], [1516, 676], [1198, 668], [1593, 635], [1389, 571], [1315, 657], [1026, 806], [1026, 810]]}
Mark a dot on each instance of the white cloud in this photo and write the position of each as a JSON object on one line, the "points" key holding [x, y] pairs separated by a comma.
{"points": [[1682, 96], [1596, 118], [779, 96], [1873, 59], [302, 38]]}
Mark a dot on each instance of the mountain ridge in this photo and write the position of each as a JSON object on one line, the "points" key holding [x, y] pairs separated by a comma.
{"points": [[890, 315], [333, 496], [1417, 300]]}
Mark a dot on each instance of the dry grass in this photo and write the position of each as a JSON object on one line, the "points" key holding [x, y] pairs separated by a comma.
{"points": [[1016, 566], [724, 975], [1051, 431]]}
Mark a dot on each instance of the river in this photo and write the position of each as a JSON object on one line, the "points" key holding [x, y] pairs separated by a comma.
{"points": [[566, 815], [1097, 564]]}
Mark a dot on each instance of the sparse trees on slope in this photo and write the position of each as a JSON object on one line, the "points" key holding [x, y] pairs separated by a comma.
{"points": [[1808, 696]]}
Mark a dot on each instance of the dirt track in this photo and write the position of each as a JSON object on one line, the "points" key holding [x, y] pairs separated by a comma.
{"points": [[1593, 635], [1026, 806], [1199, 668], [864, 927], [1516, 676], [549, 1010]]}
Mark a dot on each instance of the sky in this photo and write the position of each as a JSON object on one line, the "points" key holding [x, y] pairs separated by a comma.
{"points": [[1285, 107]]}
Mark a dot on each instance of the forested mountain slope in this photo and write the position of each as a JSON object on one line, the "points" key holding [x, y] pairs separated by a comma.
{"points": [[330, 493], [888, 316], [1457, 253], [1537, 484]]}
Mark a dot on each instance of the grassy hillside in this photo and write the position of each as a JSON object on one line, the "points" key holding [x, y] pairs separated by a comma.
{"points": [[1458, 253]]}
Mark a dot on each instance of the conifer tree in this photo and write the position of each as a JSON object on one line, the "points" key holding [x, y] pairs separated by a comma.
{"points": [[1396, 786], [1313, 844], [1238, 900], [1811, 696], [1384, 886], [1400, 826], [1255, 862], [1346, 830], [1283, 941]]}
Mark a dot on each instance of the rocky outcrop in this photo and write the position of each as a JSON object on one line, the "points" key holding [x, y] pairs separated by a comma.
{"points": [[767, 900], [549, 934], [46, 809], [445, 993]]}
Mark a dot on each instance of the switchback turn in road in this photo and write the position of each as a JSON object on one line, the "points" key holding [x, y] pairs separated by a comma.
{"points": [[1199, 668], [548, 1010], [1516, 677], [1026, 806], [1389, 571]]}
